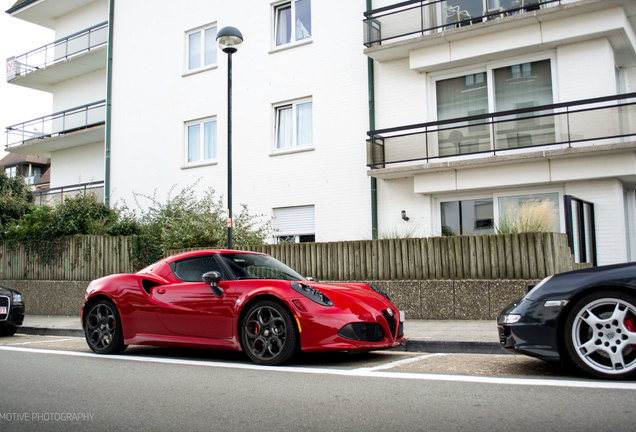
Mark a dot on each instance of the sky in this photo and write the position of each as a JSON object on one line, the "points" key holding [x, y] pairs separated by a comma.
{"points": [[18, 103]]}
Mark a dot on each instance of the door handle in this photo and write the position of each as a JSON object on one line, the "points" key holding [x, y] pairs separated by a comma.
{"points": [[161, 291]]}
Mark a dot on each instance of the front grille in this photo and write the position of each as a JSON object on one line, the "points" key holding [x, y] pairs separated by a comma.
{"points": [[366, 332], [4, 302], [390, 320]]}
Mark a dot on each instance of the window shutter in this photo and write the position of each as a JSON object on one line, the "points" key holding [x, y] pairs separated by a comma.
{"points": [[294, 220]]}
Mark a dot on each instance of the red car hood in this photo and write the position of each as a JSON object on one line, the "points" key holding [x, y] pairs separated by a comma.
{"points": [[356, 292]]}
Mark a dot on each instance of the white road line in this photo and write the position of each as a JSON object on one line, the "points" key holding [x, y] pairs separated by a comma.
{"points": [[539, 382], [39, 341], [398, 363]]}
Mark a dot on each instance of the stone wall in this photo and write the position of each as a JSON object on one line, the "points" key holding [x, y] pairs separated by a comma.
{"points": [[50, 297], [454, 299], [423, 300]]}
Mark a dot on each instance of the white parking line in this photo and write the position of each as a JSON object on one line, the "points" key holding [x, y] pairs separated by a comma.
{"points": [[40, 341], [539, 382], [398, 363]]}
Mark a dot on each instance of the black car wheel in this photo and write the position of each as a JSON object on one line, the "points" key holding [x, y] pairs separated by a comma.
{"points": [[268, 334], [7, 330], [601, 335], [102, 328]]}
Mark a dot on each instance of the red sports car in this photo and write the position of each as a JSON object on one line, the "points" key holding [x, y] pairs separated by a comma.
{"points": [[236, 300]]}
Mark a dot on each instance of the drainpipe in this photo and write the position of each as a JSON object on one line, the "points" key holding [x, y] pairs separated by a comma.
{"points": [[374, 181], [109, 83]]}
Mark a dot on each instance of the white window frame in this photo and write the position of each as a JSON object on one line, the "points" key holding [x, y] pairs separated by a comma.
{"points": [[294, 146], [437, 216], [11, 172], [529, 192], [302, 219], [201, 161], [202, 67], [292, 42], [489, 69]]}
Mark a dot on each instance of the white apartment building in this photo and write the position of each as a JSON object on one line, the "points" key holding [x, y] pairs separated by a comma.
{"points": [[486, 107], [416, 118], [73, 68], [299, 109]]}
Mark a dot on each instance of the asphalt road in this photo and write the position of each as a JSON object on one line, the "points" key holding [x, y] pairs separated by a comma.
{"points": [[53, 383]]}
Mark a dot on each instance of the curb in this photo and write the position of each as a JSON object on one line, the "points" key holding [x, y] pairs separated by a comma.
{"points": [[454, 347], [411, 345], [43, 331]]}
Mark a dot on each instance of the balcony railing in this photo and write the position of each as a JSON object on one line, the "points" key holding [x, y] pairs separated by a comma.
{"points": [[58, 51], [416, 18], [57, 195], [62, 122], [605, 120]]}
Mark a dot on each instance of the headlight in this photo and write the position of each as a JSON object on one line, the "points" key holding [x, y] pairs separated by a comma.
{"points": [[312, 294], [17, 297], [510, 319]]}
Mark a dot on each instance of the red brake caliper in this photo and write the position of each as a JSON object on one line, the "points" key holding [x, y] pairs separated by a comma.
{"points": [[630, 325]]}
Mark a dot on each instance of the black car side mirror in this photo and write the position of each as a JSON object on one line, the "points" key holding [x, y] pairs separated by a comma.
{"points": [[213, 278]]}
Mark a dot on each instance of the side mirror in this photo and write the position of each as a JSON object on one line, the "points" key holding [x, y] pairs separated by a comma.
{"points": [[311, 279], [213, 278]]}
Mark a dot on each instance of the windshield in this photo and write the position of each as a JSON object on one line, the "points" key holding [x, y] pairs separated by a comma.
{"points": [[252, 266]]}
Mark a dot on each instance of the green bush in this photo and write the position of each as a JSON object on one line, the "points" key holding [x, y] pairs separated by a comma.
{"points": [[15, 199], [183, 221]]}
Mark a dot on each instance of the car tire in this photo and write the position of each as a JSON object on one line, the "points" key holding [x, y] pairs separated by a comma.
{"points": [[268, 334], [102, 328], [600, 335], [8, 330]]}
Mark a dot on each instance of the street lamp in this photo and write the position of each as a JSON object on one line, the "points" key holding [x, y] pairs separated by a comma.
{"points": [[229, 40]]}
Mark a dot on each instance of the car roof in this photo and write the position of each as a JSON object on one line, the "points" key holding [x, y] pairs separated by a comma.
{"points": [[200, 252]]}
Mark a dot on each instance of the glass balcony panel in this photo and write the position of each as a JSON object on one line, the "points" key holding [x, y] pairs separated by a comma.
{"points": [[406, 147], [525, 130], [464, 140]]}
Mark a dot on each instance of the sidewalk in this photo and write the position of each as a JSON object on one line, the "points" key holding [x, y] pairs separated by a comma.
{"points": [[475, 337]]}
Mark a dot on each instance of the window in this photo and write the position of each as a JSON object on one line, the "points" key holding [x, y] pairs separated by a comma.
{"points": [[192, 269], [11, 172], [295, 224], [529, 213], [201, 141], [292, 22], [294, 125], [518, 86], [533, 212], [467, 217], [201, 48]]}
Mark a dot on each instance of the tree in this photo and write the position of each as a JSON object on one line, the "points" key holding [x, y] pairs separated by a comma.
{"points": [[15, 200]]}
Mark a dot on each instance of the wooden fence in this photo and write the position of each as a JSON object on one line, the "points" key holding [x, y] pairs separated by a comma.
{"points": [[504, 256], [80, 258], [501, 256]]}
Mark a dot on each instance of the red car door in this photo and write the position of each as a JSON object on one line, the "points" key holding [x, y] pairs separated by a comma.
{"points": [[191, 309]]}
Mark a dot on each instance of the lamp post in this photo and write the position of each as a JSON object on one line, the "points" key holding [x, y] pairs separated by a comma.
{"points": [[229, 40]]}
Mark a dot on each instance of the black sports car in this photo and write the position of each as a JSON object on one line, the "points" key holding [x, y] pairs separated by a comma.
{"points": [[585, 317], [11, 311]]}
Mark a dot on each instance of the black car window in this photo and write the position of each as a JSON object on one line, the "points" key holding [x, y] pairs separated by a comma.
{"points": [[192, 269], [254, 266]]}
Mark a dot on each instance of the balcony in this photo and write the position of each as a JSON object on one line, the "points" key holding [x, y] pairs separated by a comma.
{"points": [[77, 54], [45, 12], [583, 126], [65, 129], [433, 38], [417, 18], [54, 196]]}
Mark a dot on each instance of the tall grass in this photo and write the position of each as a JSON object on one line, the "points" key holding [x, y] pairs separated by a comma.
{"points": [[529, 216]]}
